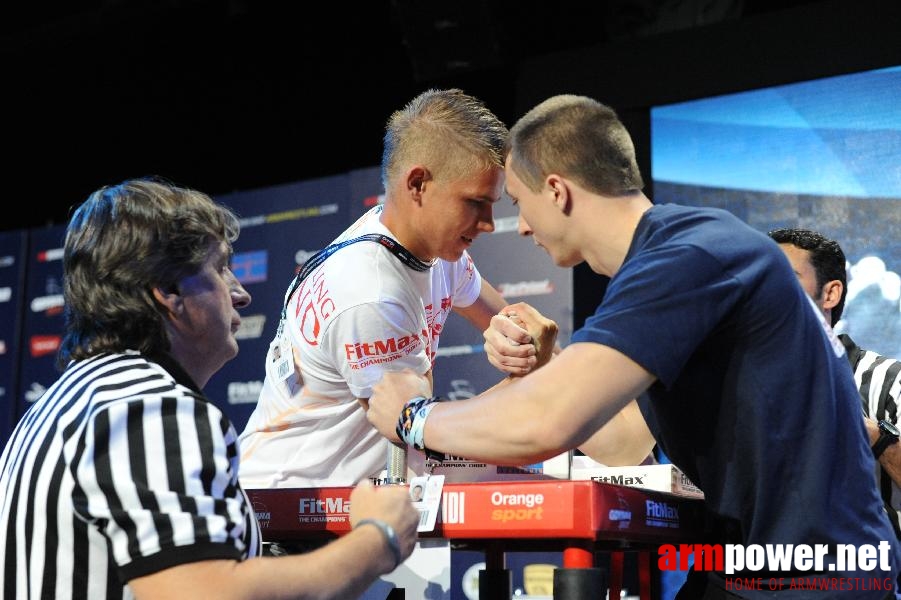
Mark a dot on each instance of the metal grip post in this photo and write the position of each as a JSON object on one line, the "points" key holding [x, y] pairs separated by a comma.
{"points": [[397, 464]]}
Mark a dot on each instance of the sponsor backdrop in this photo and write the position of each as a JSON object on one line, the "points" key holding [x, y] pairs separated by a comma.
{"points": [[12, 273], [42, 325]]}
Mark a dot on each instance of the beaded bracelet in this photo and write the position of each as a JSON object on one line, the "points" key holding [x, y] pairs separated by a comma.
{"points": [[389, 535], [412, 417], [417, 431]]}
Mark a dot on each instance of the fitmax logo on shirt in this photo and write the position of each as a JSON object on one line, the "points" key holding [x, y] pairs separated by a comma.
{"points": [[362, 354]]}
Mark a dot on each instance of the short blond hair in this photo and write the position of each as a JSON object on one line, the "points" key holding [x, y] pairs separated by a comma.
{"points": [[450, 132]]}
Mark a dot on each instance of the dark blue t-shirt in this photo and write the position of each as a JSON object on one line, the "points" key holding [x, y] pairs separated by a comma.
{"points": [[755, 400]]}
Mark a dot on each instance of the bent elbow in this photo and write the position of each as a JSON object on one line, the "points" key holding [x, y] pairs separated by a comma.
{"points": [[546, 438]]}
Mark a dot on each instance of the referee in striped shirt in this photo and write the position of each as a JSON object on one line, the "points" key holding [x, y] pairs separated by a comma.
{"points": [[820, 263], [122, 480]]}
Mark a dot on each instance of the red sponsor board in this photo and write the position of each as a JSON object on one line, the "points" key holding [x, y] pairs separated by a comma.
{"points": [[297, 513], [501, 510]]}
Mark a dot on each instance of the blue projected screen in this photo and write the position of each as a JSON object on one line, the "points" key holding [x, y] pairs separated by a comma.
{"points": [[822, 155]]}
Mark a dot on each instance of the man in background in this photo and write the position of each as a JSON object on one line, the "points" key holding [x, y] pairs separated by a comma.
{"points": [[820, 266]]}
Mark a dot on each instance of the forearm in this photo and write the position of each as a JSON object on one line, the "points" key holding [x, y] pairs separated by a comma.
{"points": [[344, 568], [492, 428], [891, 462], [535, 417], [625, 440], [890, 459]]}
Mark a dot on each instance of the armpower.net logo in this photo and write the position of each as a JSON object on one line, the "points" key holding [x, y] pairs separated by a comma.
{"points": [[787, 566]]}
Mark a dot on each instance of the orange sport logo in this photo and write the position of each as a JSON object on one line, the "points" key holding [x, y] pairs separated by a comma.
{"points": [[517, 507]]}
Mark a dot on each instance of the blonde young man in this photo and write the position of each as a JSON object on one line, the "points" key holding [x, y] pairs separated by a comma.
{"points": [[380, 304], [705, 315]]}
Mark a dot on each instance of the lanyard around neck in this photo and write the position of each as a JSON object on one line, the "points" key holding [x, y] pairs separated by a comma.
{"points": [[402, 254]]}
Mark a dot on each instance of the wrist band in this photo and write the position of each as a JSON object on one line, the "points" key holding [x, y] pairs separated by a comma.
{"points": [[388, 534], [417, 431], [407, 421]]}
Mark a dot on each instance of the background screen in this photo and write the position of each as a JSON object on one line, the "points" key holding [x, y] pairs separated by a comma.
{"points": [[822, 155]]}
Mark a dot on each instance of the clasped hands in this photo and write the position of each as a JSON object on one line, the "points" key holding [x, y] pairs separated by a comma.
{"points": [[518, 340]]}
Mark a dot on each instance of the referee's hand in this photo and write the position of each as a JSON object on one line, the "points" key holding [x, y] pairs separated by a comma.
{"points": [[389, 504]]}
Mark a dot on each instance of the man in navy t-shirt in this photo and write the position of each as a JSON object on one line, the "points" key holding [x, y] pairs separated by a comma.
{"points": [[743, 384]]}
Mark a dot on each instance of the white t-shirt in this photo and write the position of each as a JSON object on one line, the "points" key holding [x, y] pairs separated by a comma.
{"points": [[359, 314]]}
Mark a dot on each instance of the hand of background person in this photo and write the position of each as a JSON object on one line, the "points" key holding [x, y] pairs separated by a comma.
{"points": [[389, 396], [520, 339], [388, 503]]}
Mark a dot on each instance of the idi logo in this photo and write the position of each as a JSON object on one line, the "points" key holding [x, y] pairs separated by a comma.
{"points": [[453, 507]]}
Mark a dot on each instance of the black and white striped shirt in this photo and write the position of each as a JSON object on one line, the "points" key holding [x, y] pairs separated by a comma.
{"points": [[878, 379], [120, 470]]}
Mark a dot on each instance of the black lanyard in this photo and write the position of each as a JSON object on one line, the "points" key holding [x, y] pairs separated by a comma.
{"points": [[402, 254]]}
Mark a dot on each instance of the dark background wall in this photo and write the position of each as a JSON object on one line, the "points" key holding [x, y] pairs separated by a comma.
{"points": [[229, 95]]}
